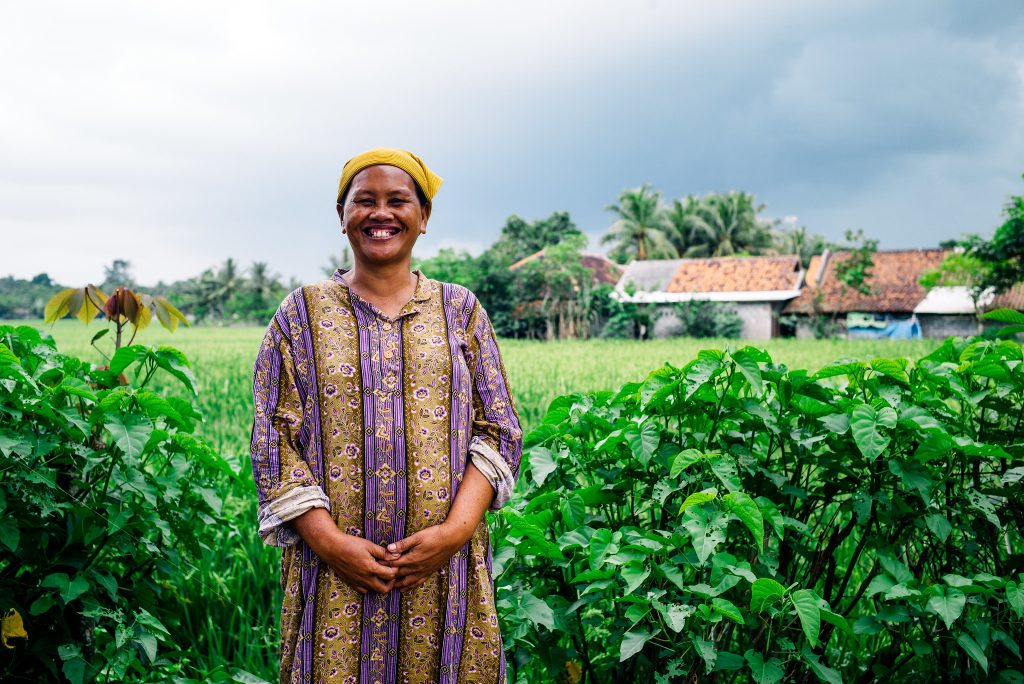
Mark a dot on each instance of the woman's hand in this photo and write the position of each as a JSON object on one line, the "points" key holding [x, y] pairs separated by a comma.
{"points": [[417, 557], [358, 561]]}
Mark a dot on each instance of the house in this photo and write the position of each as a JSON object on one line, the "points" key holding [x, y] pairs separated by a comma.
{"points": [[758, 286], [895, 290], [950, 311]]}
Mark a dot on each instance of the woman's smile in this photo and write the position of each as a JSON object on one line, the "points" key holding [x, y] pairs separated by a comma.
{"points": [[381, 232]]}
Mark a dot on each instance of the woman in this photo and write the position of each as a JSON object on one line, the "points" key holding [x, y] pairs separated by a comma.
{"points": [[384, 428]]}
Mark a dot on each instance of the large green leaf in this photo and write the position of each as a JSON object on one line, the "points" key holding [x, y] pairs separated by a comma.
{"points": [[805, 602], [175, 363], [1015, 598], [633, 642], [698, 498], [705, 532], [600, 545], [684, 460], [744, 508], [707, 651], [823, 672], [947, 602], [750, 369], [1004, 316], [675, 615], [643, 440], [130, 432], [537, 611], [542, 463], [724, 468], [635, 573], [864, 423], [764, 592], [764, 672], [728, 609], [973, 649], [68, 588]]}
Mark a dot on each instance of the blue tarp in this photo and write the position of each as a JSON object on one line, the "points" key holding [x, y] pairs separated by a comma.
{"points": [[896, 329]]}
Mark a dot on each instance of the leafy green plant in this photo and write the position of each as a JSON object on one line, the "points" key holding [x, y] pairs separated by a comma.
{"points": [[105, 492], [736, 519]]}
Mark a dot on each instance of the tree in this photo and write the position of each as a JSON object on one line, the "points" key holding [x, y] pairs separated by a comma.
{"points": [[724, 225], [118, 274], [855, 270], [961, 268], [800, 243], [642, 229], [1003, 255], [334, 262], [450, 266], [520, 238]]}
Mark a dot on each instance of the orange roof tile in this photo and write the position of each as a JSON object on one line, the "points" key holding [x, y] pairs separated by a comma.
{"points": [[893, 281], [736, 274], [1011, 299]]}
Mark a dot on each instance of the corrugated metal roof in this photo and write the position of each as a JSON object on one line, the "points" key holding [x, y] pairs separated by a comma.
{"points": [[650, 275]]}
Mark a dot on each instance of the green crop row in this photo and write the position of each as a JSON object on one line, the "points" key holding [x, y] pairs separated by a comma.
{"points": [[736, 520]]}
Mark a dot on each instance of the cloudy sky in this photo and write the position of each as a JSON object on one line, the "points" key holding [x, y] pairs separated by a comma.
{"points": [[175, 135]]}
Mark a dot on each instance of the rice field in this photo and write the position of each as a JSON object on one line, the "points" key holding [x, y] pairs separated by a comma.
{"points": [[538, 371], [230, 598]]}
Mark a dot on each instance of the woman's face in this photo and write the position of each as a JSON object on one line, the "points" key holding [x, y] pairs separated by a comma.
{"points": [[382, 216]]}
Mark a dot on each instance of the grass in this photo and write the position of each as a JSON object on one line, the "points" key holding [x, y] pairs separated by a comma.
{"points": [[230, 597]]}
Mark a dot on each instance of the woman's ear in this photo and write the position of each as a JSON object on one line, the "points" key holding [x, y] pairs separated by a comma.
{"points": [[424, 216], [341, 217]]}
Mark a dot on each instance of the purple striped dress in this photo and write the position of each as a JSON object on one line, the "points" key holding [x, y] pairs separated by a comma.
{"points": [[375, 419]]}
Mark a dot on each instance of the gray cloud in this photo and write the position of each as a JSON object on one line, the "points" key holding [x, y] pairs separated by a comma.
{"points": [[176, 136]]}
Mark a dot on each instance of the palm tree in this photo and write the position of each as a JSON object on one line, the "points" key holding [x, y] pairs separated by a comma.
{"points": [[642, 229], [724, 225], [681, 216]]}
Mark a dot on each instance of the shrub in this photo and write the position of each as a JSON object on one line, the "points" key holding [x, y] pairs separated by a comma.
{"points": [[736, 519], [701, 318], [104, 493]]}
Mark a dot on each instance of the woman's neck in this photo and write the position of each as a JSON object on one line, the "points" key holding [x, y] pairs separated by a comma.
{"points": [[381, 281]]}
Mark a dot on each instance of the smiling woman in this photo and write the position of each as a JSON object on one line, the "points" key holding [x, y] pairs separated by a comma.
{"points": [[384, 429]]}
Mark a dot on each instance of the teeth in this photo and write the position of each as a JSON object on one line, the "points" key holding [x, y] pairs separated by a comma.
{"points": [[381, 233]]}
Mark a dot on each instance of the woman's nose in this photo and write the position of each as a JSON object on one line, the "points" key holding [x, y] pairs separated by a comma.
{"points": [[380, 209]]}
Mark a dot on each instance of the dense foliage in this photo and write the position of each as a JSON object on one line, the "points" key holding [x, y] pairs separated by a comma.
{"points": [[739, 519], [105, 492]]}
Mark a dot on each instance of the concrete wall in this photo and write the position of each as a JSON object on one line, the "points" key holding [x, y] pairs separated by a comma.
{"points": [[758, 321], [941, 326]]}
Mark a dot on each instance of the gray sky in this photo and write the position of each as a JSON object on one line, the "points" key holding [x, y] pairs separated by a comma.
{"points": [[177, 134]]}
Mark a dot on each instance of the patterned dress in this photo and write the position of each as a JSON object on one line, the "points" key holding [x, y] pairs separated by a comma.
{"points": [[374, 419]]}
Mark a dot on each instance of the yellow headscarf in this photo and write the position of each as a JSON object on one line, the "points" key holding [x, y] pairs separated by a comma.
{"points": [[427, 180]]}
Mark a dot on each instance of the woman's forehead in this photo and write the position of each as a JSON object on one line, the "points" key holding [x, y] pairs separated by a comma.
{"points": [[383, 177]]}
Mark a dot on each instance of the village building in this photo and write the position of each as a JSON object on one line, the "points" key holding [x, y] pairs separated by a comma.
{"points": [[888, 310], [757, 286]]}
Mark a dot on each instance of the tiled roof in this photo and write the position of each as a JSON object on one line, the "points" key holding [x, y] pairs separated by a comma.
{"points": [[893, 281], [1011, 299], [737, 274], [605, 271]]}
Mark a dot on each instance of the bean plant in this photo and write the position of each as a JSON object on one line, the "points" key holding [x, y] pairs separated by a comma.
{"points": [[735, 520], [105, 494]]}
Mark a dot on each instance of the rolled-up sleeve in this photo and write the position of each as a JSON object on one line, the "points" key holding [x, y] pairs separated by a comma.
{"points": [[496, 444], [284, 483]]}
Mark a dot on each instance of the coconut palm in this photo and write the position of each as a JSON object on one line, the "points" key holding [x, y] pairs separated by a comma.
{"points": [[642, 230], [723, 225]]}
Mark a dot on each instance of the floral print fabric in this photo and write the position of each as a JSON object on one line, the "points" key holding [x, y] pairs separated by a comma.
{"points": [[373, 418]]}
